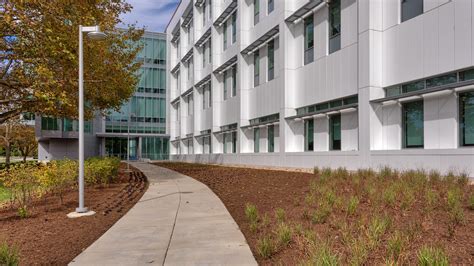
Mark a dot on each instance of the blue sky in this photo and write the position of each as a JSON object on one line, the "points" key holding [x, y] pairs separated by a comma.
{"points": [[153, 14]]}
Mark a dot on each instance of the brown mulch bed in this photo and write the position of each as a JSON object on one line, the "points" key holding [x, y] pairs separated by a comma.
{"points": [[48, 237], [269, 190]]}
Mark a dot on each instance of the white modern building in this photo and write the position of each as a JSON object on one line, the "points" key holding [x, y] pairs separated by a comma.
{"points": [[303, 83]]}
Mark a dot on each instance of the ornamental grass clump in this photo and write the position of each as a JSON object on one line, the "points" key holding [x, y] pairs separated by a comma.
{"points": [[352, 205], [280, 215], [284, 234], [265, 247], [432, 256], [8, 255]]}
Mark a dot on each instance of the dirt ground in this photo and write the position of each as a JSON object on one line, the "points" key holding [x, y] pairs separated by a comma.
{"points": [[269, 190], [48, 237]]}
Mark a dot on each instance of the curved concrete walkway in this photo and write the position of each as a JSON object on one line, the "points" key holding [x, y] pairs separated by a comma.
{"points": [[178, 221]]}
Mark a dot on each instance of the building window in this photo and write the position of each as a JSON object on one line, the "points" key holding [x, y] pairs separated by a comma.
{"points": [[256, 11], [210, 10], [234, 81], [204, 15], [234, 141], [210, 52], [256, 140], [466, 114], [49, 123], [190, 104], [413, 128], [225, 85], [271, 6], [411, 9], [309, 135], [308, 40], [234, 27], [335, 132], [271, 60], [204, 55], [271, 138], [206, 96], [334, 26], [225, 35], [256, 68]]}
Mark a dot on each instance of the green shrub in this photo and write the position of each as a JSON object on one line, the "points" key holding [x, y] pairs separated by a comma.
{"points": [[471, 202], [396, 244], [58, 176], [326, 173], [377, 228], [321, 214], [316, 171], [432, 198], [284, 234], [101, 170], [434, 175], [322, 255], [430, 256], [265, 247], [280, 215], [8, 255], [251, 213], [390, 195], [341, 173], [22, 182], [352, 205], [359, 251], [385, 172]]}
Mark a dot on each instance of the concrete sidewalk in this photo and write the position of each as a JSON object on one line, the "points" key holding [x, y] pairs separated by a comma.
{"points": [[178, 221]]}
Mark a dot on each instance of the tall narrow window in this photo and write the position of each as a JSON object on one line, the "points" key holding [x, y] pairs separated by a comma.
{"points": [[204, 15], [335, 132], [256, 140], [210, 10], [234, 27], [210, 51], [271, 6], [271, 60], [234, 80], [204, 97], [411, 9], [256, 11], [308, 40], [225, 85], [204, 55], [309, 135], [210, 94], [224, 142], [466, 115], [190, 104], [256, 68], [271, 138], [334, 26], [234, 142], [225, 35], [413, 125]]}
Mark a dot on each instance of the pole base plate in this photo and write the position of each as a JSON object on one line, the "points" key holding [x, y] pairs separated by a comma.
{"points": [[76, 214]]}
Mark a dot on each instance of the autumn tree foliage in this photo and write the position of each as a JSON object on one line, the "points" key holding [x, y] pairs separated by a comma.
{"points": [[39, 57]]}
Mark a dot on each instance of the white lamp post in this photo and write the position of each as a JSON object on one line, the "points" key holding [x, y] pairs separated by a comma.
{"points": [[93, 33]]}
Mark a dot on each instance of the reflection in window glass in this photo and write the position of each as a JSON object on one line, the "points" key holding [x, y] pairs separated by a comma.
{"points": [[271, 138], [271, 60], [308, 40], [466, 113], [413, 125], [411, 9], [441, 80], [309, 135], [256, 140], [335, 132]]}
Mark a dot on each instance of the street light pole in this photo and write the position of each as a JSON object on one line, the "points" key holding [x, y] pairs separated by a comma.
{"points": [[94, 33]]}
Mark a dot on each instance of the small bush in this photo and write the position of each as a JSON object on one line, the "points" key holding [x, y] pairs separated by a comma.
{"points": [[101, 170], [316, 171], [396, 244], [385, 172], [8, 255], [352, 205], [321, 215], [284, 234], [435, 176], [251, 213], [390, 195], [359, 251], [265, 247], [58, 176], [471, 202], [322, 255], [341, 173], [432, 198], [377, 228], [280, 215], [429, 256], [326, 173]]}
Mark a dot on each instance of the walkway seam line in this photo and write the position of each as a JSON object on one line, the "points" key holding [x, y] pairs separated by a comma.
{"points": [[174, 222]]}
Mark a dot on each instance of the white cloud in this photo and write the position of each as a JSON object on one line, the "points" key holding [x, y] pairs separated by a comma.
{"points": [[151, 14]]}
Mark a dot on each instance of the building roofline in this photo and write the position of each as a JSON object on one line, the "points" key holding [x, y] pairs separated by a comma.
{"points": [[174, 13]]}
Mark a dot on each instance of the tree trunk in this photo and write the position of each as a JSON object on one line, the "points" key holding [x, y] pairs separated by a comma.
{"points": [[7, 155], [24, 157]]}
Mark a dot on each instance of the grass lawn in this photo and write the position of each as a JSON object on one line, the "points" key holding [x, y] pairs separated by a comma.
{"points": [[336, 217], [4, 194]]}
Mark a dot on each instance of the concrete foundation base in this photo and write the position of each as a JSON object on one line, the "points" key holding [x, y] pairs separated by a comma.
{"points": [[80, 214]]}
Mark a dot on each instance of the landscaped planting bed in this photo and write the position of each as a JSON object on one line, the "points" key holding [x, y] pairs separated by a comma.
{"points": [[47, 237], [340, 217]]}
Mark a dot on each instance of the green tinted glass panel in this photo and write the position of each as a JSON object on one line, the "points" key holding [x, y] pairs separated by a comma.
{"points": [[271, 138], [309, 135], [419, 85], [413, 124], [441, 80], [393, 91], [466, 104], [466, 75], [335, 132], [256, 140]]}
